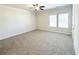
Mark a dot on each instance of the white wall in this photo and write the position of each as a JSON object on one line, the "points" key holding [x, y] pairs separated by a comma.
{"points": [[43, 19], [75, 30], [15, 21]]}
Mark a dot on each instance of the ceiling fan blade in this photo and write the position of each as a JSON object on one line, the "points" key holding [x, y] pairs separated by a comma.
{"points": [[35, 4], [41, 9], [42, 6]]}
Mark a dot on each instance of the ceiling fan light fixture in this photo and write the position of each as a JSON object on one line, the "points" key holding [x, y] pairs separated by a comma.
{"points": [[38, 7]]}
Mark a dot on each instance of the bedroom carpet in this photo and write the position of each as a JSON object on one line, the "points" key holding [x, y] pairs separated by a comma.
{"points": [[37, 42]]}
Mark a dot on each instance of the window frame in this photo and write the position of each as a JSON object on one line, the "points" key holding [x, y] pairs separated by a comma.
{"points": [[58, 20], [49, 21]]}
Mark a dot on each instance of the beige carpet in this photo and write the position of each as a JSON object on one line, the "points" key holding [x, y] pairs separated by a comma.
{"points": [[38, 43]]}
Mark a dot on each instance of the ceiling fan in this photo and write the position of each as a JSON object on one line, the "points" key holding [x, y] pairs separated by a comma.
{"points": [[38, 7]]}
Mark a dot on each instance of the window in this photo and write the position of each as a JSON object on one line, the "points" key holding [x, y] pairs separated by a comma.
{"points": [[53, 21], [59, 20], [63, 20]]}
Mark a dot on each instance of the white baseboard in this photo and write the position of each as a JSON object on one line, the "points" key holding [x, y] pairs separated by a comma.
{"points": [[15, 34], [1, 38], [55, 31]]}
